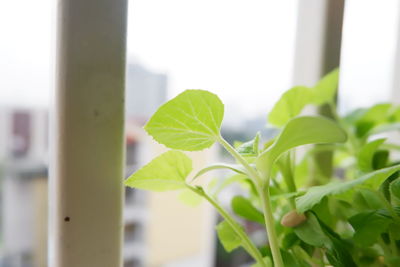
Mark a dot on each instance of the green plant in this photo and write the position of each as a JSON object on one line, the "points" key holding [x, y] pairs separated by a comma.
{"points": [[312, 216]]}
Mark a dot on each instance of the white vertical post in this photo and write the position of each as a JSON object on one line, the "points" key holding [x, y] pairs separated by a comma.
{"points": [[394, 137], [318, 45], [395, 94], [86, 191], [318, 39]]}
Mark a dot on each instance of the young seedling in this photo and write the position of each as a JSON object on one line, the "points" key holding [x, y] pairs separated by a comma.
{"points": [[318, 225]]}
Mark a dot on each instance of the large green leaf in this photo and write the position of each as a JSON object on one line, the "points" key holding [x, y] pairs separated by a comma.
{"points": [[243, 207], [289, 105], [166, 172], [315, 194], [294, 100], [325, 90], [369, 225], [301, 131], [191, 121], [366, 155], [228, 237]]}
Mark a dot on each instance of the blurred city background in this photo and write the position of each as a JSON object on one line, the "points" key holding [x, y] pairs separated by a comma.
{"points": [[241, 50]]}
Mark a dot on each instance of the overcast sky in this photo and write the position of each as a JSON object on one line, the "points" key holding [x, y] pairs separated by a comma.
{"points": [[240, 49]]}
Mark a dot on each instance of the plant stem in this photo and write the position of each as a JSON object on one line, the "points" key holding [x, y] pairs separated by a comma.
{"points": [[285, 166], [248, 244], [270, 227], [265, 202], [353, 143], [251, 171]]}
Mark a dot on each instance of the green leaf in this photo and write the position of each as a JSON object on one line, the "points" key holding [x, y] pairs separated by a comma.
{"points": [[394, 228], [285, 167], [371, 118], [338, 254], [312, 233], [377, 113], [294, 100], [384, 188], [366, 155], [228, 237], [325, 90], [372, 200], [290, 260], [316, 233], [380, 159], [189, 198], [323, 211], [267, 263], [369, 225], [289, 105], [166, 172], [354, 116], [395, 188], [250, 148], [389, 127], [233, 167], [191, 121], [289, 240], [393, 261], [315, 194], [395, 116], [301, 131], [243, 207]]}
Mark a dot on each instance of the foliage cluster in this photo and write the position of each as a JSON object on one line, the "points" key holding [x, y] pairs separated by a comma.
{"points": [[334, 202]]}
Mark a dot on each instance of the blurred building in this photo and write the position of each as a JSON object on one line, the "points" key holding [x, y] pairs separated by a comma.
{"points": [[150, 219], [23, 142], [145, 91]]}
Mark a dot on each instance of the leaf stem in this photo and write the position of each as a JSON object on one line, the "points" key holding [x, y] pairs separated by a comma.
{"points": [[251, 171], [248, 244], [263, 191], [270, 227]]}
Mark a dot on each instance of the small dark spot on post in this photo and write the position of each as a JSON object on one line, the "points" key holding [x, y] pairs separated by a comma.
{"points": [[67, 219], [96, 113]]}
